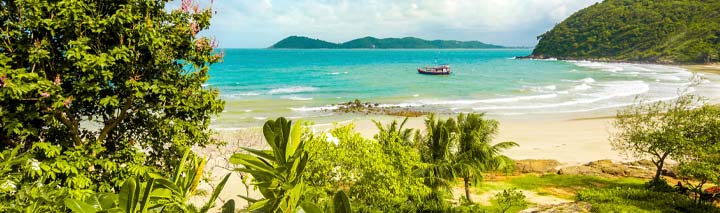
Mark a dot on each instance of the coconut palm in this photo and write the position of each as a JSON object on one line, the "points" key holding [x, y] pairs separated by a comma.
{"points": [[394, 133], [475, 154], [436, 151]]}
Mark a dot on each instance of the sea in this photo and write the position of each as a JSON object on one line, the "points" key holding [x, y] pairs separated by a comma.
{"points": [[262, 84]]}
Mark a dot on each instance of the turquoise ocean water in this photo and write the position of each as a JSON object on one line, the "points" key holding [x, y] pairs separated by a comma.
{"points": [[259, 84]]}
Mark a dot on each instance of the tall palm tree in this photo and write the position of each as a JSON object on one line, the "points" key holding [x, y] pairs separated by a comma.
{"points": [[475, 154], [436, 151]]}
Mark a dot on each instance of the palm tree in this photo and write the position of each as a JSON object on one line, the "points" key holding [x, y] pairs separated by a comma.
{"points": [[436, 151], [394, 133], [475, 154]]}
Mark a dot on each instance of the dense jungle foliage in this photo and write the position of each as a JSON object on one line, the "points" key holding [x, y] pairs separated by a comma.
{"points": [[661, 31]]}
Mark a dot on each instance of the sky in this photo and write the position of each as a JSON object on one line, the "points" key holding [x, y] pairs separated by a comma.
{"points": [[261, 23]]}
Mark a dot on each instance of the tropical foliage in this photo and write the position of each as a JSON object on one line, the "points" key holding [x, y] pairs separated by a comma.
{"points": [[97, 92], [668, 31], [157, 194]]}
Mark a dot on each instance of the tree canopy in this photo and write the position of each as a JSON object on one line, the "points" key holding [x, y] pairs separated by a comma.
{"points": [[101, 90]]}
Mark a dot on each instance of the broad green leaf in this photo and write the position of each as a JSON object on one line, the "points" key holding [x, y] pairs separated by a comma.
{"points": [[228, 207], [294, 141], [79, 206], [127, 195], [310, 207], [341, 203]]}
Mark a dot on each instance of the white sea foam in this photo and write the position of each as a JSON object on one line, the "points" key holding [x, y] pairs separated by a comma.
{"points": [[260, 118], [296, 98], [416, 95], [610, 67], [334, 73], [309, 109], [479, 101], [582, 87], [290, 90], [609, 90]]}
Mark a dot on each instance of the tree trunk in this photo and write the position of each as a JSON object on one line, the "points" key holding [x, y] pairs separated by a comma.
{"points": [[659, 166], [467, 188]]}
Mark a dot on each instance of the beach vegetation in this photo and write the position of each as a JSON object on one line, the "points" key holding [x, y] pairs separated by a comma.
{"points": [[475, 154], [510, 198], [658, 131], [277, 173]]}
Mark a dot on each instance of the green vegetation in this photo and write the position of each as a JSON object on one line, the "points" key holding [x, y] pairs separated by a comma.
{"points": [[157, 194], [680, 130], [94, 94], [510, 198], [301, 42], [401, 170], [668, 31], [604, 194], [639, 199]]}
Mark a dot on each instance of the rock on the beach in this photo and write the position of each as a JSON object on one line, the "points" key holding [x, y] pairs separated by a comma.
{"points": [[638, 169], [581, 170], [541, 166]]}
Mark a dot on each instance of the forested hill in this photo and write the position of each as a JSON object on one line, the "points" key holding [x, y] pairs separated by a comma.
{"points": [[660, 31], [300, 42]]}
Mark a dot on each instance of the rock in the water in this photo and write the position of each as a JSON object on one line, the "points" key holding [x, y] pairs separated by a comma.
{"points": [[562, 208], [541, 166]]}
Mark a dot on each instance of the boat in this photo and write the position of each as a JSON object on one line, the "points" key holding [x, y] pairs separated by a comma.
{"points": [[439, 70]]}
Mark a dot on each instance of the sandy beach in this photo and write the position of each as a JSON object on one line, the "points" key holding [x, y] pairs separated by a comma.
{"points": [[569, 141]]}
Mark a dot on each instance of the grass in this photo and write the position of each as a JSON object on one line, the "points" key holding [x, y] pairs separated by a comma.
{"points": [[565, 187], [639, 199], [604, 194]]}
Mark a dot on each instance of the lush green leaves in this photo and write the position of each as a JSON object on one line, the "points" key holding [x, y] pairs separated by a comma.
{"points": [[98, 92]]}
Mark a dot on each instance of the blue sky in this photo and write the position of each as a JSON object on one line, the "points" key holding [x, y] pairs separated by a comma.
{"points": [[260, 23]]}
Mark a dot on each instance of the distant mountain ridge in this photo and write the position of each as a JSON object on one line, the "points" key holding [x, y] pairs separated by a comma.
{"points": [[302, 42]]}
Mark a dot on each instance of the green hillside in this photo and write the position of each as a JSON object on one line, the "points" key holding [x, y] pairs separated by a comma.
{"points": [[661, 31], [299, 42]]}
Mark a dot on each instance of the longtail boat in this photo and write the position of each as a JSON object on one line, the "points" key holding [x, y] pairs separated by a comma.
{"points": [[440, 70]]}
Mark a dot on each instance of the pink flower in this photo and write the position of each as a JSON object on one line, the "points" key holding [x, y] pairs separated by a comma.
{"points": [[2, 81], [45, 94]]}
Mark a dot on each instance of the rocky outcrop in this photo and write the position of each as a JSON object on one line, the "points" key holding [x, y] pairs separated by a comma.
{"points": [[606, 168], [561, 208], [540, 166]]}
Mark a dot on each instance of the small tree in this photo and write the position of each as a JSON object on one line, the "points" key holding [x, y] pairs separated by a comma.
{"points": [[700, 159], [475, 154], [659, 130], [509, 198]]}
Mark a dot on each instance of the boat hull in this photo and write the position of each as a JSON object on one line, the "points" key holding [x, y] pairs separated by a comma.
{"points": [[432, 73]]}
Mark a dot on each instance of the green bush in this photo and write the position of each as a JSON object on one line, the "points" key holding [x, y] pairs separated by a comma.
{"points": [[639, 199]]}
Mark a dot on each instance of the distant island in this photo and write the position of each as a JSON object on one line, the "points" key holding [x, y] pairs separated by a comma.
{"points": [[668, 32], [302, 42]]}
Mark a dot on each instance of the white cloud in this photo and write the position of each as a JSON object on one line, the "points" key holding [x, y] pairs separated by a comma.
{"points": [[260, 23]]}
